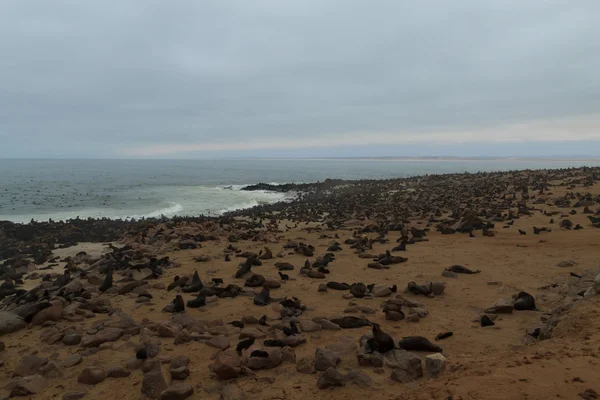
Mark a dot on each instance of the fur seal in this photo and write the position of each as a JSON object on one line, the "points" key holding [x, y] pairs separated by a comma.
{"points": [[199, 301], [381, 341], [255, 280], [217, 281], [400, 247], [418, 343], [284, 277], [274, 343], [108, 281], [351, 322], [263, 321], [177, 282], [444, 335], [179, 305], [244, 268], [244, 344], [141, 354], [359, 289], [524, 301], [338, 286], [284, 266], [292, 330], [263, 298], [237, 324], [459, 269], [196, 285], [259, 353]]}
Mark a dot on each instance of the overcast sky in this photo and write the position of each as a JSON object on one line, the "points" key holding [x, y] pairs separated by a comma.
{"points": [[296, 78]]}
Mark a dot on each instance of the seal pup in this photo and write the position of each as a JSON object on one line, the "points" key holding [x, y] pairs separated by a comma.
{"points": [[284, 277], [244, 344], [237, 324], [177, 282], [522, 232], [292, 330], [274, 343]]}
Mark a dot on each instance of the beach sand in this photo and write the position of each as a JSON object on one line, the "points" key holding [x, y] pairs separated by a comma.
{"points": [[498, 362]]}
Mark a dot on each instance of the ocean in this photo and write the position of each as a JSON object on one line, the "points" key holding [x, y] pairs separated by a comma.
{"points": [[63, 189]]}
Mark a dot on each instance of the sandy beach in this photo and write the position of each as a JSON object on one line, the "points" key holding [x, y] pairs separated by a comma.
{"points": [[509, 360]]}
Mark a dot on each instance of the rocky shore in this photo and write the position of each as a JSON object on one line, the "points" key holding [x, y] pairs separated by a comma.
{"points": [[458, 286]]}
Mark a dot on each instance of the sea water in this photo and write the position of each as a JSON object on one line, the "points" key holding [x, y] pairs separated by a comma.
{"points": [[63, 189]]}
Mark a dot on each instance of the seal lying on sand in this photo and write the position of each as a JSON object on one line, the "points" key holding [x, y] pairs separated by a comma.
{"points": [[459, 269], [418, 343]]}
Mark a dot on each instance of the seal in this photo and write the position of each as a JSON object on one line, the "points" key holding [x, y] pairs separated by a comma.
{"points": [[524, 301], [381, 341], [259, 353], [179, 306], [284, 277], [177, 282], [244, 268], [244, 344], [274, 343], [199, 301], [237, 324], [459, 269], [263, 298], [486, 321], [141, 354], [263, 321], [359, 289], [284, 266], [418, 343], [292, 330], [255, 280], [351, 322], [196, 285], [338, 286], [444, 335], [108, 281]]}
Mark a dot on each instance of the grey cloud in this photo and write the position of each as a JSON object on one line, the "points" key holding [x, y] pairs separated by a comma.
{"points": [[95, 77]]}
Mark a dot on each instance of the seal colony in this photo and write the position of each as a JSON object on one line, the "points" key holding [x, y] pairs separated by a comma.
{"points": [[452, 286]]}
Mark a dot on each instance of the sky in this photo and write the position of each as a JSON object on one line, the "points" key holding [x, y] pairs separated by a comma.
{"points": [[273, 78]]}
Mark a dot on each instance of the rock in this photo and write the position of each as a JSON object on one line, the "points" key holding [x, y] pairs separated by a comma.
{"points": [[29, 365], [179, 391], [331, 378], [272, 283], [394, 316], [272, 361], [51, 336], [154, 383], [305, 366], [328, 325], [414, 317], [118, 372], [52, 313], [227, 364], [381, 291], [325, 359], [180, 361], [220, 342], [566, 263], [166, 330], [435, 364], [71, 339], [10, 322], [71, 361], [91, 375], [232, 392], [183, 337], [421, 312], [501, 306], [294, 340], [288, 355], [51, 371], [152, 349], [2, 346], [29, 385], [249, 320], [310, 326], [150, 365], [374, 359], [407, 366], [77, 395], [358, 378], [596, 284], [104, 336], [449, 274], [322, 287], [438, 288], [247, 333], [180, 374]]}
